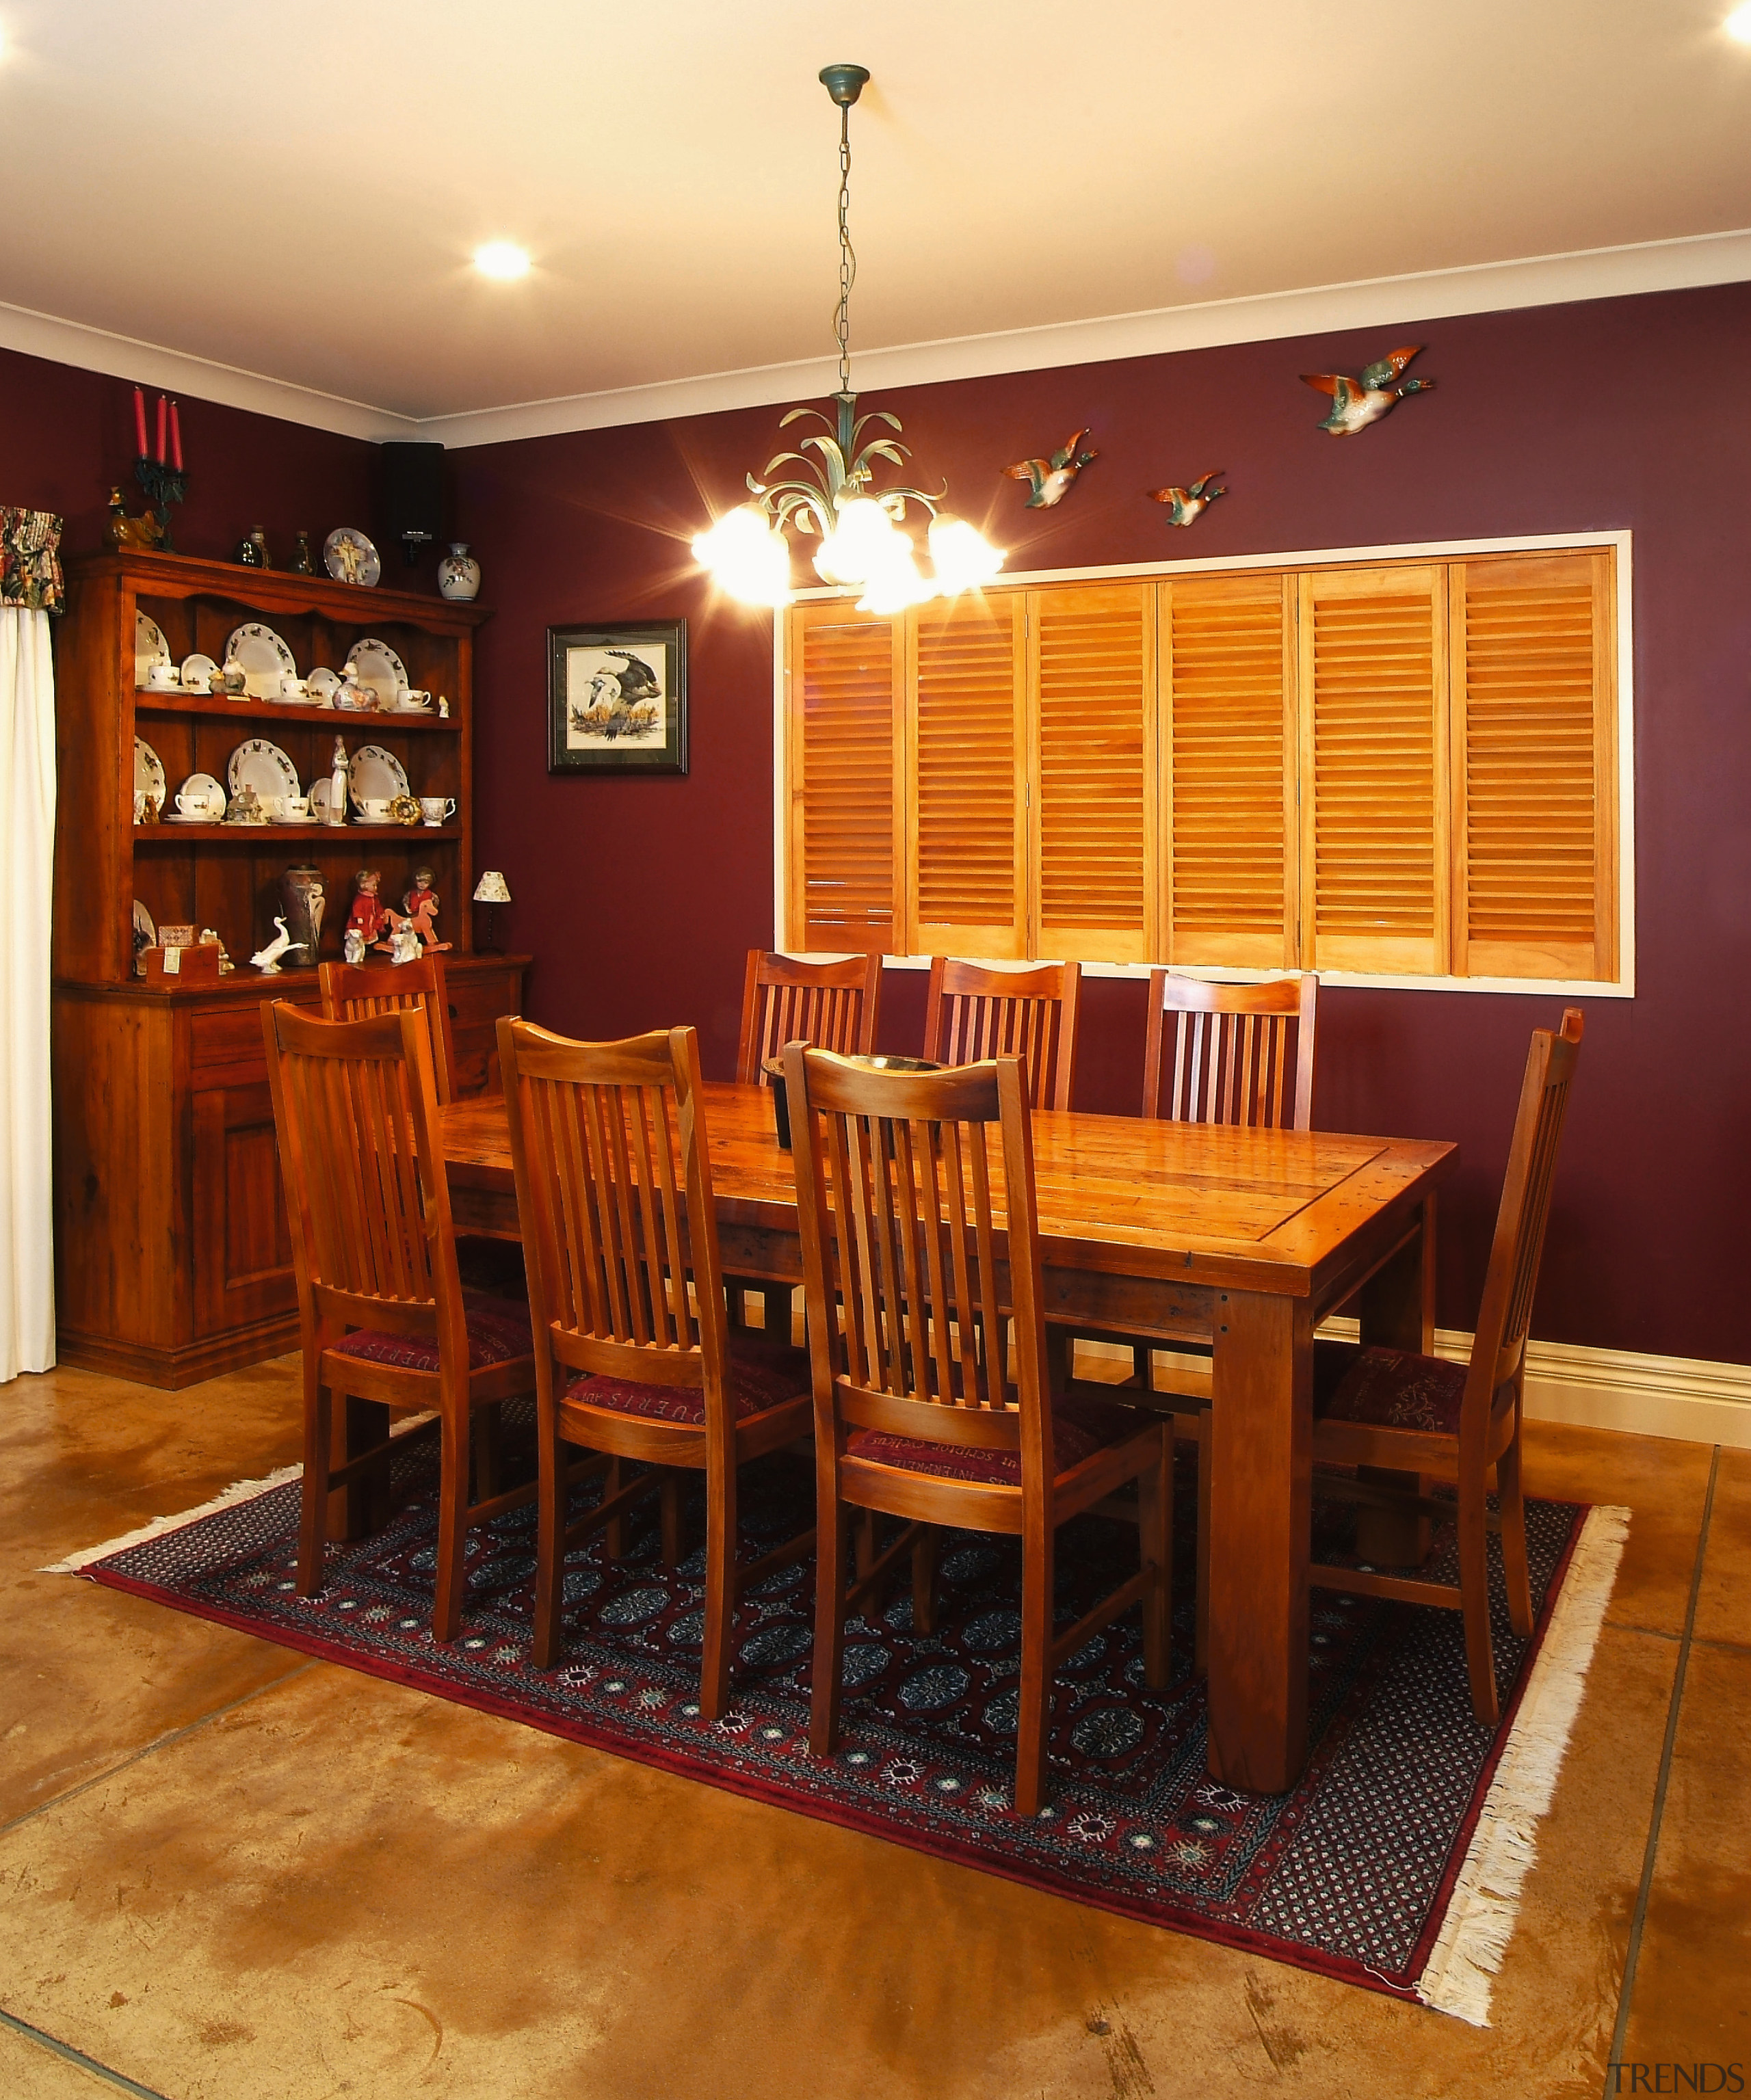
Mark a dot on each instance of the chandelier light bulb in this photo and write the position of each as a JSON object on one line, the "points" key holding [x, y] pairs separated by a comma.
{"points": [[1738, 24], [964, 558], [747, 556], [864, 537], [895, 582], [502, 259]]}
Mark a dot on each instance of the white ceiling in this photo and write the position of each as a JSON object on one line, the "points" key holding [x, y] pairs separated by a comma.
{"points": [[293, 190]]}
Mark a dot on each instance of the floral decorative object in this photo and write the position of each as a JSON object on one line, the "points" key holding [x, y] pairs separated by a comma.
{"points": [[30, 564], [1051, 478], [616, 699], [1356, 403], [1185, 504]]}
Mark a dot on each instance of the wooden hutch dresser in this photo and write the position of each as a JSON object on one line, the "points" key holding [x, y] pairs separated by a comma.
{"points": [[173, 1258]]}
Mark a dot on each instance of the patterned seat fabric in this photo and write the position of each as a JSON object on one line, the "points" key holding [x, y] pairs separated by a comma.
{"points": [[498, 1331], [1386, 1388], [1081, 1425], [762, 1374]]}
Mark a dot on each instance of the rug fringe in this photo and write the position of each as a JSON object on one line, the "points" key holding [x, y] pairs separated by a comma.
{"points": [[239, 1491], [1486, 1901]]}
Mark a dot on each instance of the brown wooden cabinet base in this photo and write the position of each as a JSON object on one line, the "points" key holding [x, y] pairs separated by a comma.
{"points": [[173, 1258]]}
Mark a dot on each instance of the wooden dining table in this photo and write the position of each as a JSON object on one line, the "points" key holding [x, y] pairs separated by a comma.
{"points": [[1243, 1239]]}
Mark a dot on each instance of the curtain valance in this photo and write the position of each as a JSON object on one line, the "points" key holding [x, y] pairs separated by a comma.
{"points": [[30, 559]]}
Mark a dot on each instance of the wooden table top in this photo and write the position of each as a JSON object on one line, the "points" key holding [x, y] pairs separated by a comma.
{"points": [[1189, 1203]]}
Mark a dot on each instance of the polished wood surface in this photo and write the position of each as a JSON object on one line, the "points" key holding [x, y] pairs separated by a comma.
{"points": [[972, 1012], [614, 1192], [1244, 1238], [1392, 1462], [355, 1111], [898, 1230], [351, 993], [832, 1006]]}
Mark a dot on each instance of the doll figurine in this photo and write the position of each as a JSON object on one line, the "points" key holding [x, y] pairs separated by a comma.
{"points": [[370, 920], [421, 906]]}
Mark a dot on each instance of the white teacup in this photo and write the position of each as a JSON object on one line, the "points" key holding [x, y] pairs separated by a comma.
{"points": [[373, 809], [435, 808], [414, 699], [290, 809], [194, 805], [164, 677], [291, 687]]}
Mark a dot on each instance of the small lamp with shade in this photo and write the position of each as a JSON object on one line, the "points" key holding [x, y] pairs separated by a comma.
{"points": [[491, 890]]}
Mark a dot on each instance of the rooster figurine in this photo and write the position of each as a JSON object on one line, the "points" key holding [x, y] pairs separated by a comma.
{"points": [[1052, 478], [1184, 505], [1357, 403]]}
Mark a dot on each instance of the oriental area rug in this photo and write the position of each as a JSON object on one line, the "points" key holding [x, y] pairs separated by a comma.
{"points": [[1396, 1864]]}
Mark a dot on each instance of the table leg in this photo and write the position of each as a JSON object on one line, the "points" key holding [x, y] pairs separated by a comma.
{"points": [[1261, 1470], [1398, 1312]]}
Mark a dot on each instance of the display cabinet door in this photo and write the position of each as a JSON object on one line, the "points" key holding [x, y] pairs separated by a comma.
{"points": [[242, 1244]]}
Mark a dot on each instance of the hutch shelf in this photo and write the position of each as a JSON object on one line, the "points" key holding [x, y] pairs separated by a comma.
{"points": [[173, 1258]]}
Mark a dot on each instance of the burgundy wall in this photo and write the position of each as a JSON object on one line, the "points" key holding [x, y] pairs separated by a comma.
{"points": [[639, 897]]}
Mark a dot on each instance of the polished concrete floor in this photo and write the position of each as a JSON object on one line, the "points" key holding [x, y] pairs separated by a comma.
{"points": [[227, 1871]]}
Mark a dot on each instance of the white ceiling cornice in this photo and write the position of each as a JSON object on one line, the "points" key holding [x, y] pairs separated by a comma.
{"points": [[1598, 273]]}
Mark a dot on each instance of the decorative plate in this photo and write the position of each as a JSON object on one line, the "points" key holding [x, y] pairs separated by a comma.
{"points": [[263, 766], [350, 557], [198, 673], [323, 684], [148, 770], [319, 798], [204, 785], [265, 658], [376, 664], [150, 646], [143, 924], [377, 775]]}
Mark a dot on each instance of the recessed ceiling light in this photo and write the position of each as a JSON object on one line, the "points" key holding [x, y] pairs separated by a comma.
{"points": [[1738, 23], [501, 258]]}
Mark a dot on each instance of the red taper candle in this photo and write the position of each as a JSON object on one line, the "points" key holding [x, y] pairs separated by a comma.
{"points": [[159, 454], [176, 439], [140, 421]]}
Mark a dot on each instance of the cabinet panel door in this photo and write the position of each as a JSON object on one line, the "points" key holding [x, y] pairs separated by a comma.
{"points": [[243, 1245]]}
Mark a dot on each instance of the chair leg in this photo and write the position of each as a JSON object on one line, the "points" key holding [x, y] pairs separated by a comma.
{"points": [[453, 1529], [674, 1535], [550, 1501], [1204, 1439], [488, 1450], [863, 1526], [831, 1526], [720, 1589], [1511, 1496], [1155, 1540], [1034, 1720], [1143, 1370], [1474, 1592], [924, 1580], [313, 1514], [614, 1531]]}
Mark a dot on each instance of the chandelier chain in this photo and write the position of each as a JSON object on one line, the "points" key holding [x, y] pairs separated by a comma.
{"points": [[842, 327]]}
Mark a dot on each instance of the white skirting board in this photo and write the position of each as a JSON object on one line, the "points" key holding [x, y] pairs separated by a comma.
{"points": [[1682, 1396]]}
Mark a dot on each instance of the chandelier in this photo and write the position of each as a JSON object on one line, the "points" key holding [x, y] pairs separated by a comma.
{"points": [[829, 494]]}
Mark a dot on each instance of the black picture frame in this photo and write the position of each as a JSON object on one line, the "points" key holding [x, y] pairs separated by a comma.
{"points": [[600, 696]]}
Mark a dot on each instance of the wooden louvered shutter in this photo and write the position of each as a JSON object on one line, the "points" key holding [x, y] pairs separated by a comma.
{"points": [[1375, 874], [1229, 757], [1534, 766], [843, 712], [1091, 680], [968, 891]]}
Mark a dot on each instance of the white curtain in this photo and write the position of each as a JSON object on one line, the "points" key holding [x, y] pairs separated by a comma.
{"points": [[27, 875]]}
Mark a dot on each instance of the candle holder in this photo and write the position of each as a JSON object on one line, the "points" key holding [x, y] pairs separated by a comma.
{"points": [[164, 485]]}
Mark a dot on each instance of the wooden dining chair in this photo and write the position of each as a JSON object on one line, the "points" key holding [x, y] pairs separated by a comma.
{"points": [[832, 1006], [972, 1014], [919, 1411], [386, 1325], [613, 1178], [352, 994], [1417, 1414]]}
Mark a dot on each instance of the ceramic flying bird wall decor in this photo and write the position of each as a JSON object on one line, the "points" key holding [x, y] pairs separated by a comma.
{"points": [[1051, 478], [1356, 403], [1185, 504]]}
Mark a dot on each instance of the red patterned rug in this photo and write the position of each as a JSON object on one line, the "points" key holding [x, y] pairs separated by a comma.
{"points": [[1395, 1864]]}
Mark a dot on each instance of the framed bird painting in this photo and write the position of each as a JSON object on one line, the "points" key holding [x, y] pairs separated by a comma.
{"points": [[616, 698]]}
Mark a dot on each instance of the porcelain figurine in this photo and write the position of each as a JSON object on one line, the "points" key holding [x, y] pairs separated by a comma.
{"points": [[267, 959], [1184, 505], [403, 943], [339, 781], [352, 948], [1052, 478], [459, 573], [1356, 403], [370, 920], [421, 906]]}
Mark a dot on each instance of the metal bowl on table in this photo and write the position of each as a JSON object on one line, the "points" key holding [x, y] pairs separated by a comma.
{"points": [[774, 1070]]}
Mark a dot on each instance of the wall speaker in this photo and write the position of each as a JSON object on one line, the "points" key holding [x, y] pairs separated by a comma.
{"points": [[413, 494]]}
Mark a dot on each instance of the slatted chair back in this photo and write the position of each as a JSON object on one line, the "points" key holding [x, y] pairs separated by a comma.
{"points": [[902, 1179], [1239, 1054], [1498, 1350], [614, 1193], [355, 1112], [349, 993], [831, 1006], [973, 1013]]}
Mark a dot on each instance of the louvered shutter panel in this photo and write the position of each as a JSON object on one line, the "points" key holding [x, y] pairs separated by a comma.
{"points": [[1376, 881], [968, 894], [1228, 734], [846, 674], [1534, 766], [1092, 680]]}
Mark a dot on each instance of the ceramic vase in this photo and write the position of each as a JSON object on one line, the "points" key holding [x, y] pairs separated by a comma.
{"points": [[302, 900], [459, 573]]}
